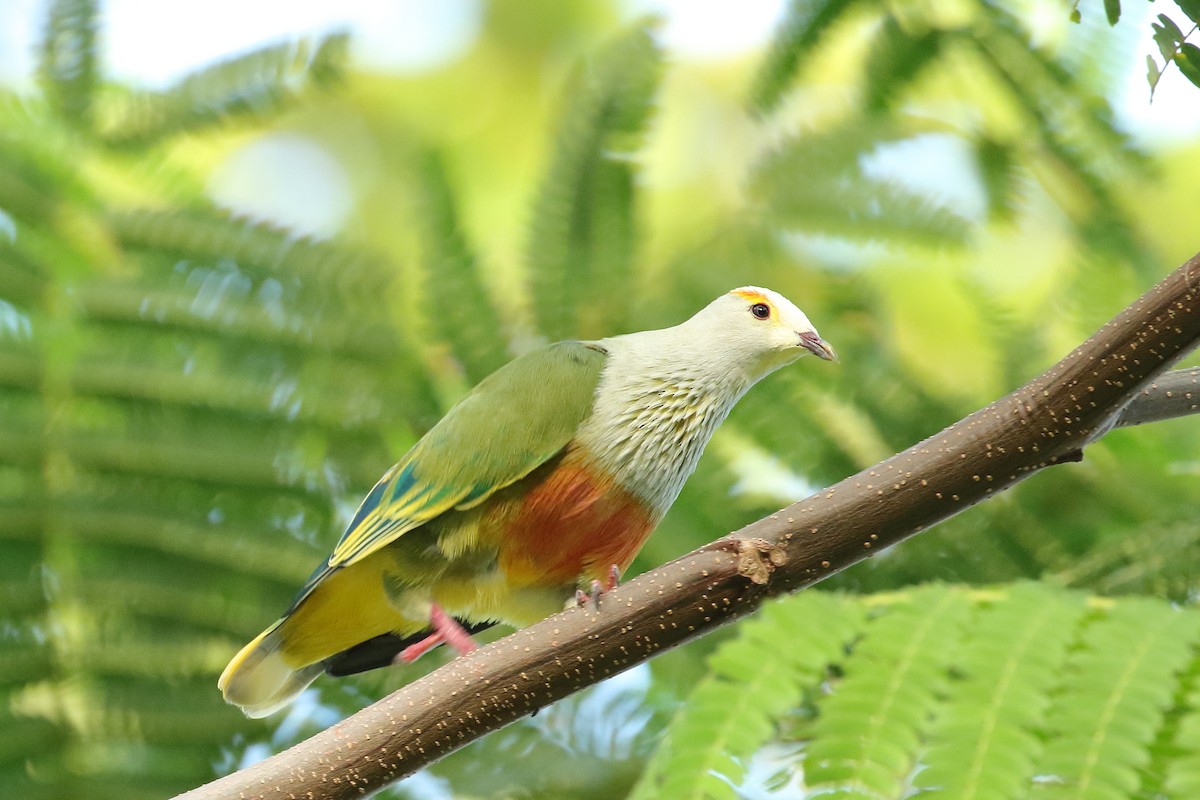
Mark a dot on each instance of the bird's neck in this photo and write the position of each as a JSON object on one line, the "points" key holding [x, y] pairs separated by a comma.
{"points": [[653, 415]]}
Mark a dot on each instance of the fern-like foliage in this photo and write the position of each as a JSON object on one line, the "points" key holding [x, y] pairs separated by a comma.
{"points": [[68, 59], [867, 750], [983, 742], [816, 183], [1183, 776], [461, 310], [897, 58], [1077, 135], [1070, 136], [1001, 175], [1117, 687], [803, 24], [255, 85], [583, 232], [762, 675], [1012, 693], [1154, 559], [186, 394], [1029, 128]]}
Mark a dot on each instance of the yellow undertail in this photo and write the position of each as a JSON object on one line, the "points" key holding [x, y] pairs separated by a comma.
{"points": [[260, 681], [348, 607]]}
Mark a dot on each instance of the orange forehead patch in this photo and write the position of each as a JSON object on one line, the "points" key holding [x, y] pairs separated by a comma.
{"points": [[752, 296]]}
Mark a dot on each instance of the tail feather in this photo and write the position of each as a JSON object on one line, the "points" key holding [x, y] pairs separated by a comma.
{"points": [[260, 681], [338, 610]]}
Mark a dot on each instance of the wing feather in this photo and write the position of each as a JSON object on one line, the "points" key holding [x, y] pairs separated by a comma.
{"points": [[512, 422]]}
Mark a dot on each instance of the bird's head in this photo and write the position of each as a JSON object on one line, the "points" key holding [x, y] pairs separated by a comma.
{"points": [[761, 329]]}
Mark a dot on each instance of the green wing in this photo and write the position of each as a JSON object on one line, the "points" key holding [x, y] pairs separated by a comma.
{"points": [[513, 421]]}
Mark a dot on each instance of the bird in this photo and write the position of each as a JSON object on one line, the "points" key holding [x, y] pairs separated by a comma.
{"points": [[545, 478]]}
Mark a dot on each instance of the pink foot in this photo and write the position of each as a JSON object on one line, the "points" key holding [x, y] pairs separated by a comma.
{"points": [[451, 632], [415, 651], [446, 630], [614, 580]]}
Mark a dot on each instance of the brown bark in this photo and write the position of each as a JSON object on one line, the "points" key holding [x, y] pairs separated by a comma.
{"points": [[1047, 421]]}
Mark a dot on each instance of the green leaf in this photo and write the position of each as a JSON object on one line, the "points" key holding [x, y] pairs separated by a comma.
{"points": [[257, 86], [1153, 74], [68, 59], [802, 26], [1118, 685], [1191, 8], [1011, 661], [703, 753], [1188, 61], [196, 395], [999, 168], [816, 184], [1112, 10], [462, 312], [1077, 136], [896, 59], [875, 744], [582, 238], [986, 690], [1183, 773], [1168, 36]]}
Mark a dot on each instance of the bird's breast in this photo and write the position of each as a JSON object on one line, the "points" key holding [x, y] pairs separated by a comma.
{"points": [[650, 434], [570, 524]]}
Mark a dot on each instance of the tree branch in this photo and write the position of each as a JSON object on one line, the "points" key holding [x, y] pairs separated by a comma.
{"points": [[1170, 395], [1110, 379]]}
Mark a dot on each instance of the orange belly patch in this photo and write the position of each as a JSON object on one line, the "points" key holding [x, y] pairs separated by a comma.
{"points": [[571, 526]]}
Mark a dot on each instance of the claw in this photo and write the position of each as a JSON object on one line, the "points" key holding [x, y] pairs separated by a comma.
{"points": [[614, 579]]}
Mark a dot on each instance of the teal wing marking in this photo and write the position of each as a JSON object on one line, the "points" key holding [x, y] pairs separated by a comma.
{"points": [[513, 421]]}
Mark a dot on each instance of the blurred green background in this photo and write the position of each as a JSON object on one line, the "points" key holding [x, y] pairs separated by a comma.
{"points": [[230, 300]]}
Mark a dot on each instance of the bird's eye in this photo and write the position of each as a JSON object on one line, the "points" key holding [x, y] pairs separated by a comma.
{"points": [[761, 310]]}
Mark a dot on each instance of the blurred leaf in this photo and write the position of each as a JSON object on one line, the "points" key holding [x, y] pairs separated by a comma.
{"points": [[1000, 170], [802, 26], [461, 310], [1112, 10], [816, 183], [582, 238], [189, 396], [1188, 61], [256, 86], [896, 60], [1168, 36], [68, 59], [1077, 137], [1191, 8], [1153, 74]]}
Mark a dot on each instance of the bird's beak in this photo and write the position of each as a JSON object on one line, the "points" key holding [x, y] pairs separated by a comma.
{"points": [[814, 344]]}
